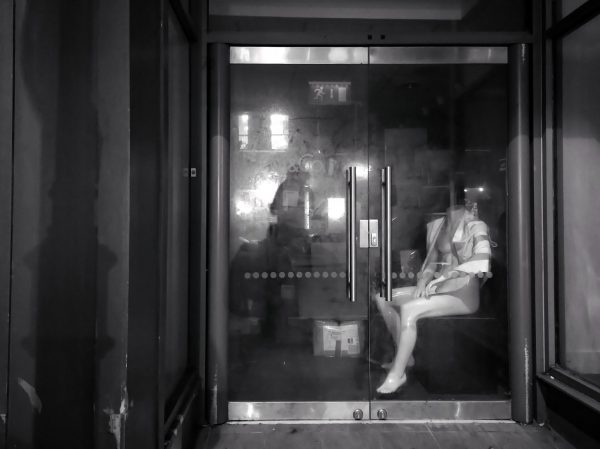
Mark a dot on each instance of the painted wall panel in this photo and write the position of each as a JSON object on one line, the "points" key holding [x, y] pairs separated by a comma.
{"points": [[111, 50], [54, 239]]}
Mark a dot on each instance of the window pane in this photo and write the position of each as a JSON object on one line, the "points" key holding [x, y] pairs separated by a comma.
{"points": [[579, 202], [442, 128], [566, 7], [290, 322], [370, 16]]}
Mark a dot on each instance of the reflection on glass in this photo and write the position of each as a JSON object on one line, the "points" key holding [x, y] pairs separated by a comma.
{"points": [[243, 129], [578, 218], [293, 336], [336, 208], [273, 54], [566, 7], [279, 131], [362, 171], [442, 129]]}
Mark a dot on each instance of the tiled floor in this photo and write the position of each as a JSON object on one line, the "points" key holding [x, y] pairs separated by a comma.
{"points": [[480, 435]]}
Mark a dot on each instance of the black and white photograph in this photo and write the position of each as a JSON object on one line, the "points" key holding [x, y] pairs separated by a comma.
{"points": [[299, 224]]}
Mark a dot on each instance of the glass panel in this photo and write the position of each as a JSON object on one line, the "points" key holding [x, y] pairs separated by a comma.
{"points": [[293, 335], [565, 7], [178, 109], [578, 143], [443, 130], [369, 16]]}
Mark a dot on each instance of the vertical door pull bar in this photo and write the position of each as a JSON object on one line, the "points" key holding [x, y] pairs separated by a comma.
{"points": [[351, 234], [386, 233], [382, 238]]}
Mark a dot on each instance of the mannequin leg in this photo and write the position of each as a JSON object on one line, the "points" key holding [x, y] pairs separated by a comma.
{"points": [[389, 311], [410, 313]]}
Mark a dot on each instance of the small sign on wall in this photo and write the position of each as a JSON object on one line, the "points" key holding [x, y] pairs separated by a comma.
{"points": [[329, 92]]}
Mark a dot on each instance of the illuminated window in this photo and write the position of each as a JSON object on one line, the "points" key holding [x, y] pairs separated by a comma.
{"points": [[279, 132], [243, 131]]}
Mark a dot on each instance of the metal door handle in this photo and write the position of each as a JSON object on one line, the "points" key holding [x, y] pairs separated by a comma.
{"points": [[386, 233], [351, 234]]}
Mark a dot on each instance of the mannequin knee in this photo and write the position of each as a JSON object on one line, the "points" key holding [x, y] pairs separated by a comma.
{"points": [[377, 298], [382, 304], [408, 317]]}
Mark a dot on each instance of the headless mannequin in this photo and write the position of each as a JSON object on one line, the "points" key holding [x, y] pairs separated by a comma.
{"points": [[455, 292]]}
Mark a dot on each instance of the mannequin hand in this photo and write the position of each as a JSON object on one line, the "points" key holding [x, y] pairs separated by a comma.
{"points": [[420, 289], [433, 286]]}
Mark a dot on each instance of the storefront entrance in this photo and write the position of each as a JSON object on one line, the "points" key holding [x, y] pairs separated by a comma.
{"points": [[357, 175]]}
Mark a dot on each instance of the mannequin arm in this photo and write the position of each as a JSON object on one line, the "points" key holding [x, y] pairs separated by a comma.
{"points": [[426, 275], [479, 262]]}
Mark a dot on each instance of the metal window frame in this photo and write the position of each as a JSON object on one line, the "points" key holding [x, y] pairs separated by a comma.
{"points": [[547, 194], [571, 380], [185, 19], [157, 420], [572, 21], [182, 410]]}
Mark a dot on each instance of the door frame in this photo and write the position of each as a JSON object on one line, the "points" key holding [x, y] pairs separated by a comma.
{"points": [[519, 407]]}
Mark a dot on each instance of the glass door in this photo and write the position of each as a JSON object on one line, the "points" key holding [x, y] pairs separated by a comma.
{"points": [[367, 233], [298, 322], [437, 155]]}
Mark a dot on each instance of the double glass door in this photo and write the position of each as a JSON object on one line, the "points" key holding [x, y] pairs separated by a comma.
{"points": [[359, 177]]}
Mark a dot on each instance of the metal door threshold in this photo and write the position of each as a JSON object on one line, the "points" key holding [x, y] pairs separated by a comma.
{"points": [[286, 411], [443, 410], [421, 411]]}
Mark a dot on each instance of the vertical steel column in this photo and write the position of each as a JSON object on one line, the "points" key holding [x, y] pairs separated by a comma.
{"points": [[218, 232], [543, 216], [519, 236]]}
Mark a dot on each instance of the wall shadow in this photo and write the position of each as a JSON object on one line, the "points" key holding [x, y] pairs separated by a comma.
{"points": [[54, 301]]}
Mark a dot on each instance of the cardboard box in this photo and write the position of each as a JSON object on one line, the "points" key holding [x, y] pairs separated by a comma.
{"points": [[352, 337], [333, 339], [326, 338]]}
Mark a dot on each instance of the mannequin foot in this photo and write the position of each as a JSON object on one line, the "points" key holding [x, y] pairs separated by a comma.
{"points": [[391, 383], [388, 365]]}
